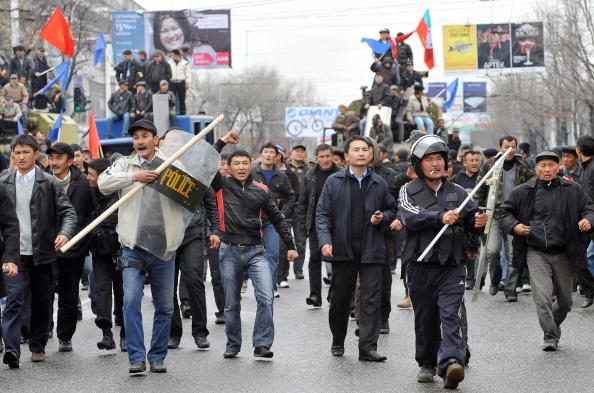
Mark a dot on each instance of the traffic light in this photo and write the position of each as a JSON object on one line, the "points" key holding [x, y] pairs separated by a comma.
{"points": [[80, 101]]}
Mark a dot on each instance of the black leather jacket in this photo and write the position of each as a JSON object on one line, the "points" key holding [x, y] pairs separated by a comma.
{"points": [[52, 214], [306, 211]]}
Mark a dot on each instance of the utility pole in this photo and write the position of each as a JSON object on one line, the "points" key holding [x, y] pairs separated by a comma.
{"points": [[15, 33]]}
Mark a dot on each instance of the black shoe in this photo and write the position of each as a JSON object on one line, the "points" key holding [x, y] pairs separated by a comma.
{"points": [[263, 352], [337, 350], [65, 346], [201, 342], [493, 290], [230, 354], [106, 343], [173, 343], [123, 345], [186, 311], [454, 375], [12, 359], [299, 276], [326, 280], [157, 366], [85, 286], [352, 315], [116, 321], [371, 356], [385, 329], [79, 316], [219, 320], [1, 346], [550, 345], [313, 300], [357, 332], [137, 367], [511, 297], [426, 374], [469, 286], [24, 340], [588, 301]]}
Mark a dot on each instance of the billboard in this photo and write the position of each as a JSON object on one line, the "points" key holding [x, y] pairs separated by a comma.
{"points": [[475, 97], [207, 34], [308, 122], [459, 47], [507, 47]]}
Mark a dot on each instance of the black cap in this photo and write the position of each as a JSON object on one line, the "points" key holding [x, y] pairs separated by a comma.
{"points": [[419, 88], [141, 83], [388, 60], [122, 82], [61, 148], [299, 147], [18, 47], [185, 47], [400, 34], [569, 150], [385, 30], [127, 52], [547, 155], [143, 125], [409, 62]]}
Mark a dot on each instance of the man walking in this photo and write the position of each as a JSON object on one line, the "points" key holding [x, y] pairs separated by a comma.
{"points": [[354, 207], [548, 217]]}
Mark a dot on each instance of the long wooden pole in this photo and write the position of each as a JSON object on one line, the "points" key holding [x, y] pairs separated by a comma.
{"points": [[140, 186]]}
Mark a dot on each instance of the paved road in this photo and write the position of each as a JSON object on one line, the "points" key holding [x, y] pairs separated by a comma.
{"points": [[505, 340]]}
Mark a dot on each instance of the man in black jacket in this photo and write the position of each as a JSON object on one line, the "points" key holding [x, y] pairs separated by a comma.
{"points": [[282, 193], [436, 283], [548, 217], [70, 265], [129, 70], [47, 220], [158, 70], [409, 77], [308, 200], [389, 70], [354, 208], [241, 200], [21, 64], [142, 103], [120, 104], [104, 245], [40, 65], [585, 151]]}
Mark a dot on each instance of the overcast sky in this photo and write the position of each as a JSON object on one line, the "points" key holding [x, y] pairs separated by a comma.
{"points": [[320, 40]]}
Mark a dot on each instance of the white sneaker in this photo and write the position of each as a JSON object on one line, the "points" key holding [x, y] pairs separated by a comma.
{"points": [[276, 294], [283, 284], [526, 288], [518, 289]]}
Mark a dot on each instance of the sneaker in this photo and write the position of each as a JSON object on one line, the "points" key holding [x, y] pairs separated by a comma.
{"points": [[106, 343], [426, 374], [405, 303], [244, 286], [276, 294], [454, 375], [201, 342], [173, 342], [84, 286], [511, 297], [385, 329], [219, 319], [37, 357], [263, 352], [526, 288], [299, 276], [65, 346], [518, 289], [283, 284], [550, 345]]}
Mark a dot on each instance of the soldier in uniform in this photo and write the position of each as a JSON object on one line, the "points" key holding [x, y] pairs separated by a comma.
{"points": [[436, 284]]}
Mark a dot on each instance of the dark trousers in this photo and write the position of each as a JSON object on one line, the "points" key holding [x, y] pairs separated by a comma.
{"points": [[387, 279], [436, 293], [105, 279], [284, 266], [344, 280], [69, 274], [189, 260], [314, 266], [39, 280], [217, 284], [300, 240], [179, 89], [6, 125]]}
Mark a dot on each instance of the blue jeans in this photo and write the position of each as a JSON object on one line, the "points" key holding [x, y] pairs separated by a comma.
{"points": [[125, 124], [590, 255], [272, 244], [162, 276], [424, 122], [234, 261]]}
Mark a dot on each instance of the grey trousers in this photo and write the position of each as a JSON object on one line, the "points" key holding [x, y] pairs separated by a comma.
{"points": [[550, 275], [497, 239]]}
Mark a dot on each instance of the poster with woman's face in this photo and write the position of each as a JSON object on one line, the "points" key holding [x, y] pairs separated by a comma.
{"points": [[493, 46], [205, 36]]}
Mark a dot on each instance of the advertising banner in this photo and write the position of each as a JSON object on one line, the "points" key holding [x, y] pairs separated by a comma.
{"points": [[205, 34], [433, 88], [475, 97], [459, 47], [527, 45], [493, 46], [308, 122]]}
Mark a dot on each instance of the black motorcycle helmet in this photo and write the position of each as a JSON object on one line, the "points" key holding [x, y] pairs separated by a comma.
{"points": [[428, 144]]}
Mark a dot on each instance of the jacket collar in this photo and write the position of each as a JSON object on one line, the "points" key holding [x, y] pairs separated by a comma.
{"points": [[344, 173], [532, 182], [136, 158]]}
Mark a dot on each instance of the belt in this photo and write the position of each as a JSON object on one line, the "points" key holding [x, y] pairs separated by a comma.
{"points": [[242, 245]]}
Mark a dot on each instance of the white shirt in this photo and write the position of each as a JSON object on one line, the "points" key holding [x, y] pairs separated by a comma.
{"points": [[26, 178]]}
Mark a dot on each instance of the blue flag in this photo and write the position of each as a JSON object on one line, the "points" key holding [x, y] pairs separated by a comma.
{"points": [[62, 71], [55, 131], [377, 46], [20, 129], [452, 89], [99, 50]]}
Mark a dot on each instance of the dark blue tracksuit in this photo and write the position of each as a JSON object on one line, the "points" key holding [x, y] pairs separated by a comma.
{"points": [[436, 289]]}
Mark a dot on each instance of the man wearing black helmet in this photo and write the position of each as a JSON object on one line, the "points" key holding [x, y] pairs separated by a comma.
{"points": [[436, 283]]}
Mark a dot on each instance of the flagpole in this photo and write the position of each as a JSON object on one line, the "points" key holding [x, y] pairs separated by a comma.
{"points": [[48, 70]]}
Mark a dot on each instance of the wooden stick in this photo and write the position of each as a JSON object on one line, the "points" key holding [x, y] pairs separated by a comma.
{"points": [[140, 186]]}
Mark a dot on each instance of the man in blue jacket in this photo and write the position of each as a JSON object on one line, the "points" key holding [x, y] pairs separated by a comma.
{"points": [[354, 208]]}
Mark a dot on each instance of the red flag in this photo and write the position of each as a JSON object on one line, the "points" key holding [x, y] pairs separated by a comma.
{"points": [[424, 32], [94, 144], [57, 33]]}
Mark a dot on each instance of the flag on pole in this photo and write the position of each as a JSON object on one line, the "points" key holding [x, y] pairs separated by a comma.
{"points": [[424, 32], [377, 46], [57, 33], [100, 46], [452, 89], [20, 129], [94, 143], [55, 131], [62, 71]]}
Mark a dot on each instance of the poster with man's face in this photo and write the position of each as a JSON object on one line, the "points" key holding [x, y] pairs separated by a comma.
{"points": [[493, 46], [527, 44]]}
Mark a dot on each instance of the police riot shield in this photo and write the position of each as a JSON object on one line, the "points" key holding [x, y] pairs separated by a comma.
{"points": [[169, 203]]}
